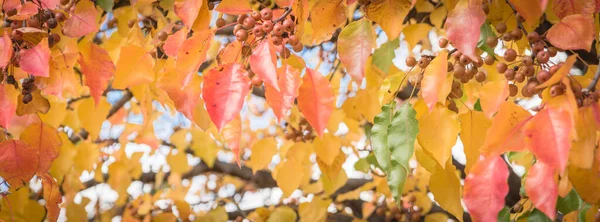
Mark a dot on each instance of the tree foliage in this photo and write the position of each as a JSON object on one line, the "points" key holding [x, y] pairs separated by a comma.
{"points": [[342, 110]]}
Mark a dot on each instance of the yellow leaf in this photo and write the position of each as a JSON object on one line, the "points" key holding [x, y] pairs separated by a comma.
{"points": [[424, 6], [437, 133], [56, 114], [65, 160], [289, 176], [328, 147], [492, 95], [87, 156], [316, 210], [327, 16], [423, 201], [434, 217], [91, 116], [38, 104], [446, 188], [333, 176], [262, 153], [473, 124], [504, 134], [201, 117], [178, 138], [389, 14], [369, 103], [203, 20], [334, 121], [204, 146], [390, 85], [282, 213], [415, 33], [582, 148], [471, 91], [134, 67], [437, 16], [178, 162], [77, 212], [436, 83], [586, 182]]}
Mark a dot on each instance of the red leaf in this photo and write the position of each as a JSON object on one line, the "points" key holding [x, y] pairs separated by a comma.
{"points": [[289, 83], [18, 161], [25, 11], [436, 84], [97, 67], [531, 10], [10, 4], [6, 50], [563, 8], [548, 136], [83, 21], [573, 32], [354, 45], [187, 10], [46, 140], [224, 90], [232, 132], [52, 196], [485, 188], [174, 42], [316, 100], [264, 63], [190, 57], [8, 106], [36, 60], [463, 26], [233, 7], [542, 188], [185, 98], [49, 4]]}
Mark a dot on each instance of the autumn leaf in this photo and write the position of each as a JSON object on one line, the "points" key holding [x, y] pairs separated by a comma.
{"points": [[327, 147], [6, 50], [440, 139], [548, 136], [289, 84], [187, 10], [561, 73], [463, 26], [36, 60], [96, 66], [315, 100], [354, 44], [485, 188], [436, 83], [530, 10], [46, 140], [326, 17], [18, 162], [473, 125], [128, 75], [389, 14], [24, 11], [263, 62], [52, 196], [174, 42], [233, 7], [262, 153], [185, 98], [83, 21], [506, 132], [38, 104], [492, 95], [8, 104], [573, 32], [190, 57], [564, 8], [542, 189], [446, 188]]}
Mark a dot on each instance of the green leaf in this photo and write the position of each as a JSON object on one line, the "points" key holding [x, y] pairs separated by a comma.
{"points": [[396, 178], [504, 215], [371, 159], [486, 30], [106, 5], [538, 216], [402, 134], [379, 138], [583, 211], [383, 56], [477, 106], [569, 203], [362, 165]]}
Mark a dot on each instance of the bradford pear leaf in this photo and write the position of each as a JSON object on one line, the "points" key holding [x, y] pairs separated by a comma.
{"points": [[106, 5], [36, 60], [542, 189], [389, 14], [262, 153], [204, 146], [174, 42], [91, 116], [492, 95], [96, 66], [178, 162], [263, 62], [18, 162], [473, 125], [52, 196], [224, 90], [436, 83], [548, 136], [379, 137], [38, 104], [573, 32], [571, 202], [354, 44], [316, 100], [233, 7], [46, 140], [190, 57], [289, 176], [506, 132], [446, 188], [282, 213], [6, 50], [289, 83], [383, 56], [564, 8], [538, 216], [463, 26], [232, 133], [187, 10], [485, 188], [586, 182], [327, 147], [438, 131], [326, 17], [128, 75], [83, 21], [402, 134], [530, 10], [8, 104], [185, 98]]}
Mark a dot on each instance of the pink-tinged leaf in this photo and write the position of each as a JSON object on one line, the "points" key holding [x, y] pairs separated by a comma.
{"points": [[485, 188], [264, 63], [506, 132], [531, 10], [25, 11], [83, 21], [10, 4], [8, 106], [563, 8], [492, 95], [50, 4], [548, 136], [97, 67], [234, 7], [542, 189], [436, 83], [6, 50], [174, 42], [289, 83], [192, 55], [46, 140], [597, 6], [573, 32], [224, 90], [316, 100], [232, 132], [187, 10], [36, 61], [185, 98], [284, 3], [18, 162], [354, 45], [52, 196], [463, 26]]}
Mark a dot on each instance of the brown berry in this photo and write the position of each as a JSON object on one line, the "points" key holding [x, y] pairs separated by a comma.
{"points": [[527, 60], [491, 41], [452, 107], [501, 67], [542, 57], [64, 2], [241, 35], [507, 37], [293, 40], [211, 5], [277, 40], [510, 74], [52, 23], [257, 31], [241, 18], [278, 29], [533, 37], [556, 90], [510, 55], [480, 76], [34, 22], [16, 35], [552, 51], [131, 23], [501, 27], [538, 47], [162, 36], [489, 60], [266, 14], [56, 38], [267, 26], [256, 15], [256, 81], [237, 27], [555, 68], [423, 62], [298, 47], [464, 59], [410, 61], [249, 23], [459, 71], [11, 12], [443, 42], [220, 22], [288, 25], [519, 77], [60, 17], [513, 90], [517, 34], [478, 62], [284, 52], [27, 98]]}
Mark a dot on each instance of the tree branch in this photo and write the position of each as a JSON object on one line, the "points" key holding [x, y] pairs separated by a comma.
{"points": [[594, 82], [119, 104]]}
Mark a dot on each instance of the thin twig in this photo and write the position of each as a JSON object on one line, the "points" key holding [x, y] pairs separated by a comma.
{"points": [[594, 82], [119, 104], [288, 10]]}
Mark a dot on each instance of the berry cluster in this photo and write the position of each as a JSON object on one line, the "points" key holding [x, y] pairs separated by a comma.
{"points": [[408, 211], [27, 89], [44, 19], [303, 133]]}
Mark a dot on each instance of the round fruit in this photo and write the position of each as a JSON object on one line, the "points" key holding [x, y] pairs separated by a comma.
{"points": [[491, 41], [64, 2], [293, 40], [11, 12], [527, 61], [410, 61], [288, 25], [525, 91], [556, 90], [542, 56], [256, 81], [517, 34], [552, 51], [162, 36], [489, 60], [56, 38], [423, 62], [519, 77], [241, 18], [249, 23], [284, 52], [241, 35], [464, 59], [60, 17], [443, 42], [510, 55], [267, 26], [211, 5], [510, 74], [130, 24], [266, 14], [221, 22], [257, 31], [298, 47], [278, 29], [501, 67], [16, 35], [34, 23], [277, 40], [478, 62], [459, 71], [533, 37], [480, 76], [256, 15], [507, 37], [48, 14], [451, 106], [501, 28], [513, 89]]}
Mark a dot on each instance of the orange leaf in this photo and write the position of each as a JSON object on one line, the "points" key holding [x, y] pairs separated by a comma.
{"points": [[561, 73], [18, 161], [354, 45], [389, 14], [316, 100], [83, 21], [49, 4], [129, 75], [327, 16], [564, 8], [542, 189], [185, 98], [187, 10], [190, 57], [264, 63], [505, 134], [36, 60], [548, 136], [10, 4], [463, 26], [6, 50], [52, 196], [573, 32], [436, 83], [38, 104], [224, 90], [530, 10], [232, 132], [174, 42], [97, 67], [485, 188], [25, 11], [234, 7], [46, 140], [289, 83], [8, 105], [492, 95]]}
